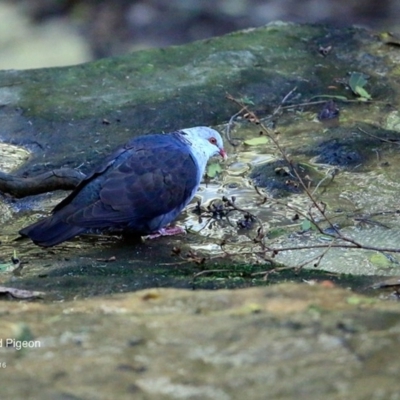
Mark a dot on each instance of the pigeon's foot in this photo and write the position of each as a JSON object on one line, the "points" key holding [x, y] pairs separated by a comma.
{"points": [[168, 231]]}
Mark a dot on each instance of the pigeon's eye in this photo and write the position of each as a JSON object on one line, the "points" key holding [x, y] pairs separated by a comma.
{"points": [[212, 140]]}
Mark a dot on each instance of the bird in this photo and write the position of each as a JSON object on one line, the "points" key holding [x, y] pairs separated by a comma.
{"points": [[140, 188]]}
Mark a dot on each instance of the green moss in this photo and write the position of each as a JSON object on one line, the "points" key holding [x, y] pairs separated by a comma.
{"points": [[150, 76]]}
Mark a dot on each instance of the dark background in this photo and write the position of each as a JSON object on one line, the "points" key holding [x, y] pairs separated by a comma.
{"points": [[113, 27]]}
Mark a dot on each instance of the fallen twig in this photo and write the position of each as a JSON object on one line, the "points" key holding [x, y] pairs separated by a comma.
{"points": [[63, 178]]}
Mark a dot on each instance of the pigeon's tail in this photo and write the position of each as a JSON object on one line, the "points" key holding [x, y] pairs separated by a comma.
{"points": [[50, 231]]}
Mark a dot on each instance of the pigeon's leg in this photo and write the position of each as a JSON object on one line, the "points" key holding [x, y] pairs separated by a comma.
{"points": [[168, 231]]}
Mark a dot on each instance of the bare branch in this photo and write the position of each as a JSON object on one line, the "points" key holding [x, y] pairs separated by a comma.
{"points": [[63, 178]]}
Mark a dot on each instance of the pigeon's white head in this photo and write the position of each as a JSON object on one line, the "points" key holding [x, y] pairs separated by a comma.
{"points": [[205, 143]]}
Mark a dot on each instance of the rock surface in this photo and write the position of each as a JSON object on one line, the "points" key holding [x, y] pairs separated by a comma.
{"points": [[282, 342], [70, 116]]}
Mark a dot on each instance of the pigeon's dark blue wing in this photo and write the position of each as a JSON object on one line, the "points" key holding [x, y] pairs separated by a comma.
{"points": [[143, 193]]}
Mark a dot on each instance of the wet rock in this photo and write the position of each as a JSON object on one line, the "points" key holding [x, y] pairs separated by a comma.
{"points": [[280, 179], [334, 152], [351, 147], [73, 116]]}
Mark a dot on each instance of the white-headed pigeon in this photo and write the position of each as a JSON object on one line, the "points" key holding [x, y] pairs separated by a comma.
{"points": [[140, 188]]}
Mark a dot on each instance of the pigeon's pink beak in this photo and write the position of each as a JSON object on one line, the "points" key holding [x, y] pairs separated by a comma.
{"points": [[223, 154]]}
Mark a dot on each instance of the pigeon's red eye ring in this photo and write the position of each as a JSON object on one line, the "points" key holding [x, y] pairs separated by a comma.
{"points": [[212, 140]]}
